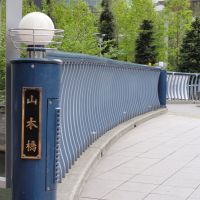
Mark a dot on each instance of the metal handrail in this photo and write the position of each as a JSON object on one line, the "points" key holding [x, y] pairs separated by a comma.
{"points": [[183, 86]]}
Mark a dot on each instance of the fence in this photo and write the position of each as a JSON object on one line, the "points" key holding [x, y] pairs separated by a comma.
{"points": [[96, 95], [183, 86]]}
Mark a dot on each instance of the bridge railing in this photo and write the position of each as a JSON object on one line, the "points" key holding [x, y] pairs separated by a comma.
{"points": [[96, 95], [183, 86]]}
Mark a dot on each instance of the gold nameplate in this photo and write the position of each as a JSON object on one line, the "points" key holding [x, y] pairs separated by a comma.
{"points": [[31, 123]]}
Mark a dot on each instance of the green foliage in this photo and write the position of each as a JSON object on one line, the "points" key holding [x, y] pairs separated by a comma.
{"points": [[128, 17], [178, 17], [78, 23], [160, 36], [28, 6], [106, 21], [145, 48], [2, 45], [121, 12], [107, 28], [190, 50]]}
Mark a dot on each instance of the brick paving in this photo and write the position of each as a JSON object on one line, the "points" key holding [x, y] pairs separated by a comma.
{"points": [[159, 160]]}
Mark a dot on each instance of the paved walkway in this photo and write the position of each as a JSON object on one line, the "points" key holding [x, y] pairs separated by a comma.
{"points": [[159, 160]]}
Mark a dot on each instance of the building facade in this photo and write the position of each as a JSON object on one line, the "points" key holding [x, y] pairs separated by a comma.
{"points": [[91, 3], [195, 6]]}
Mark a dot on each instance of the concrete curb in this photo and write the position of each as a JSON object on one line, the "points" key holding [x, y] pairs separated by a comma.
{"points": [[182, 102], [74, 181]]}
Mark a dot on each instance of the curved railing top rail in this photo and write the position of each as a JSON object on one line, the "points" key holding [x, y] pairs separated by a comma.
{"points": [[182, 73], [76, 57]]}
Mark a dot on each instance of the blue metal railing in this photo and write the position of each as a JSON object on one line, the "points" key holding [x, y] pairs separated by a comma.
{"points": [[183, 86], [96, 95]]}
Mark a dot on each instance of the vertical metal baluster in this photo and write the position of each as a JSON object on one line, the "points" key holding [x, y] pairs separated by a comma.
{"points": [[58, 169]]}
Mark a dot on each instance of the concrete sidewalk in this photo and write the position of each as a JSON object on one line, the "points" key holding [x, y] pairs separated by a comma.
{"points": [[159, 160]]}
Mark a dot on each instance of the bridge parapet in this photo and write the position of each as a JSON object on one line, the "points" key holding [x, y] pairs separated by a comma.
{"points": [[96, 95]]}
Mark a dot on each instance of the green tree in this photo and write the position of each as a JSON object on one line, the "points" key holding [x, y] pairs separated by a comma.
{"points": [[107, 27], [161, 38], [121, 12], [190, 50], [78, 22], [129, 16], [178, 17], [29, 6], [145, 48]]}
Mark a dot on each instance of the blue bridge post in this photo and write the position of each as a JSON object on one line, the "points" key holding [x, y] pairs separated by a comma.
{"points": [[34, 99], [162, 88]]}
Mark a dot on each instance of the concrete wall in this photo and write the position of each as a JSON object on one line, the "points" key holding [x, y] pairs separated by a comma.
{"points": [[2, 128]]}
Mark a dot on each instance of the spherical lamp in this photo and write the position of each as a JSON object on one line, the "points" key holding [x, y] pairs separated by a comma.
{"points": [[36, 28]]}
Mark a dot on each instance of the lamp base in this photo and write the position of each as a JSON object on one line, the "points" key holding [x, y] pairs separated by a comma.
{"points": [[36, 51]]}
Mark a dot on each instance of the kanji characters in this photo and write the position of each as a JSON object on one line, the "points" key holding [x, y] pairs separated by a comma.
{"points": [[31, 124]]}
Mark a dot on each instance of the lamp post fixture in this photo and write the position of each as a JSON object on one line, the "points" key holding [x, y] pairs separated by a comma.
{"points": [[34, 109], [34, 33], [100, 37]]}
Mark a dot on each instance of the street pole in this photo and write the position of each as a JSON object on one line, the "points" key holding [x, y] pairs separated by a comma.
{"points": [[100, 38], [13, 17], [100, 45]]}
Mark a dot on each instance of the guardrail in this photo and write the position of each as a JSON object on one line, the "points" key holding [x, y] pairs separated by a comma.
{"points": [[96, 95], [183, 86]]}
